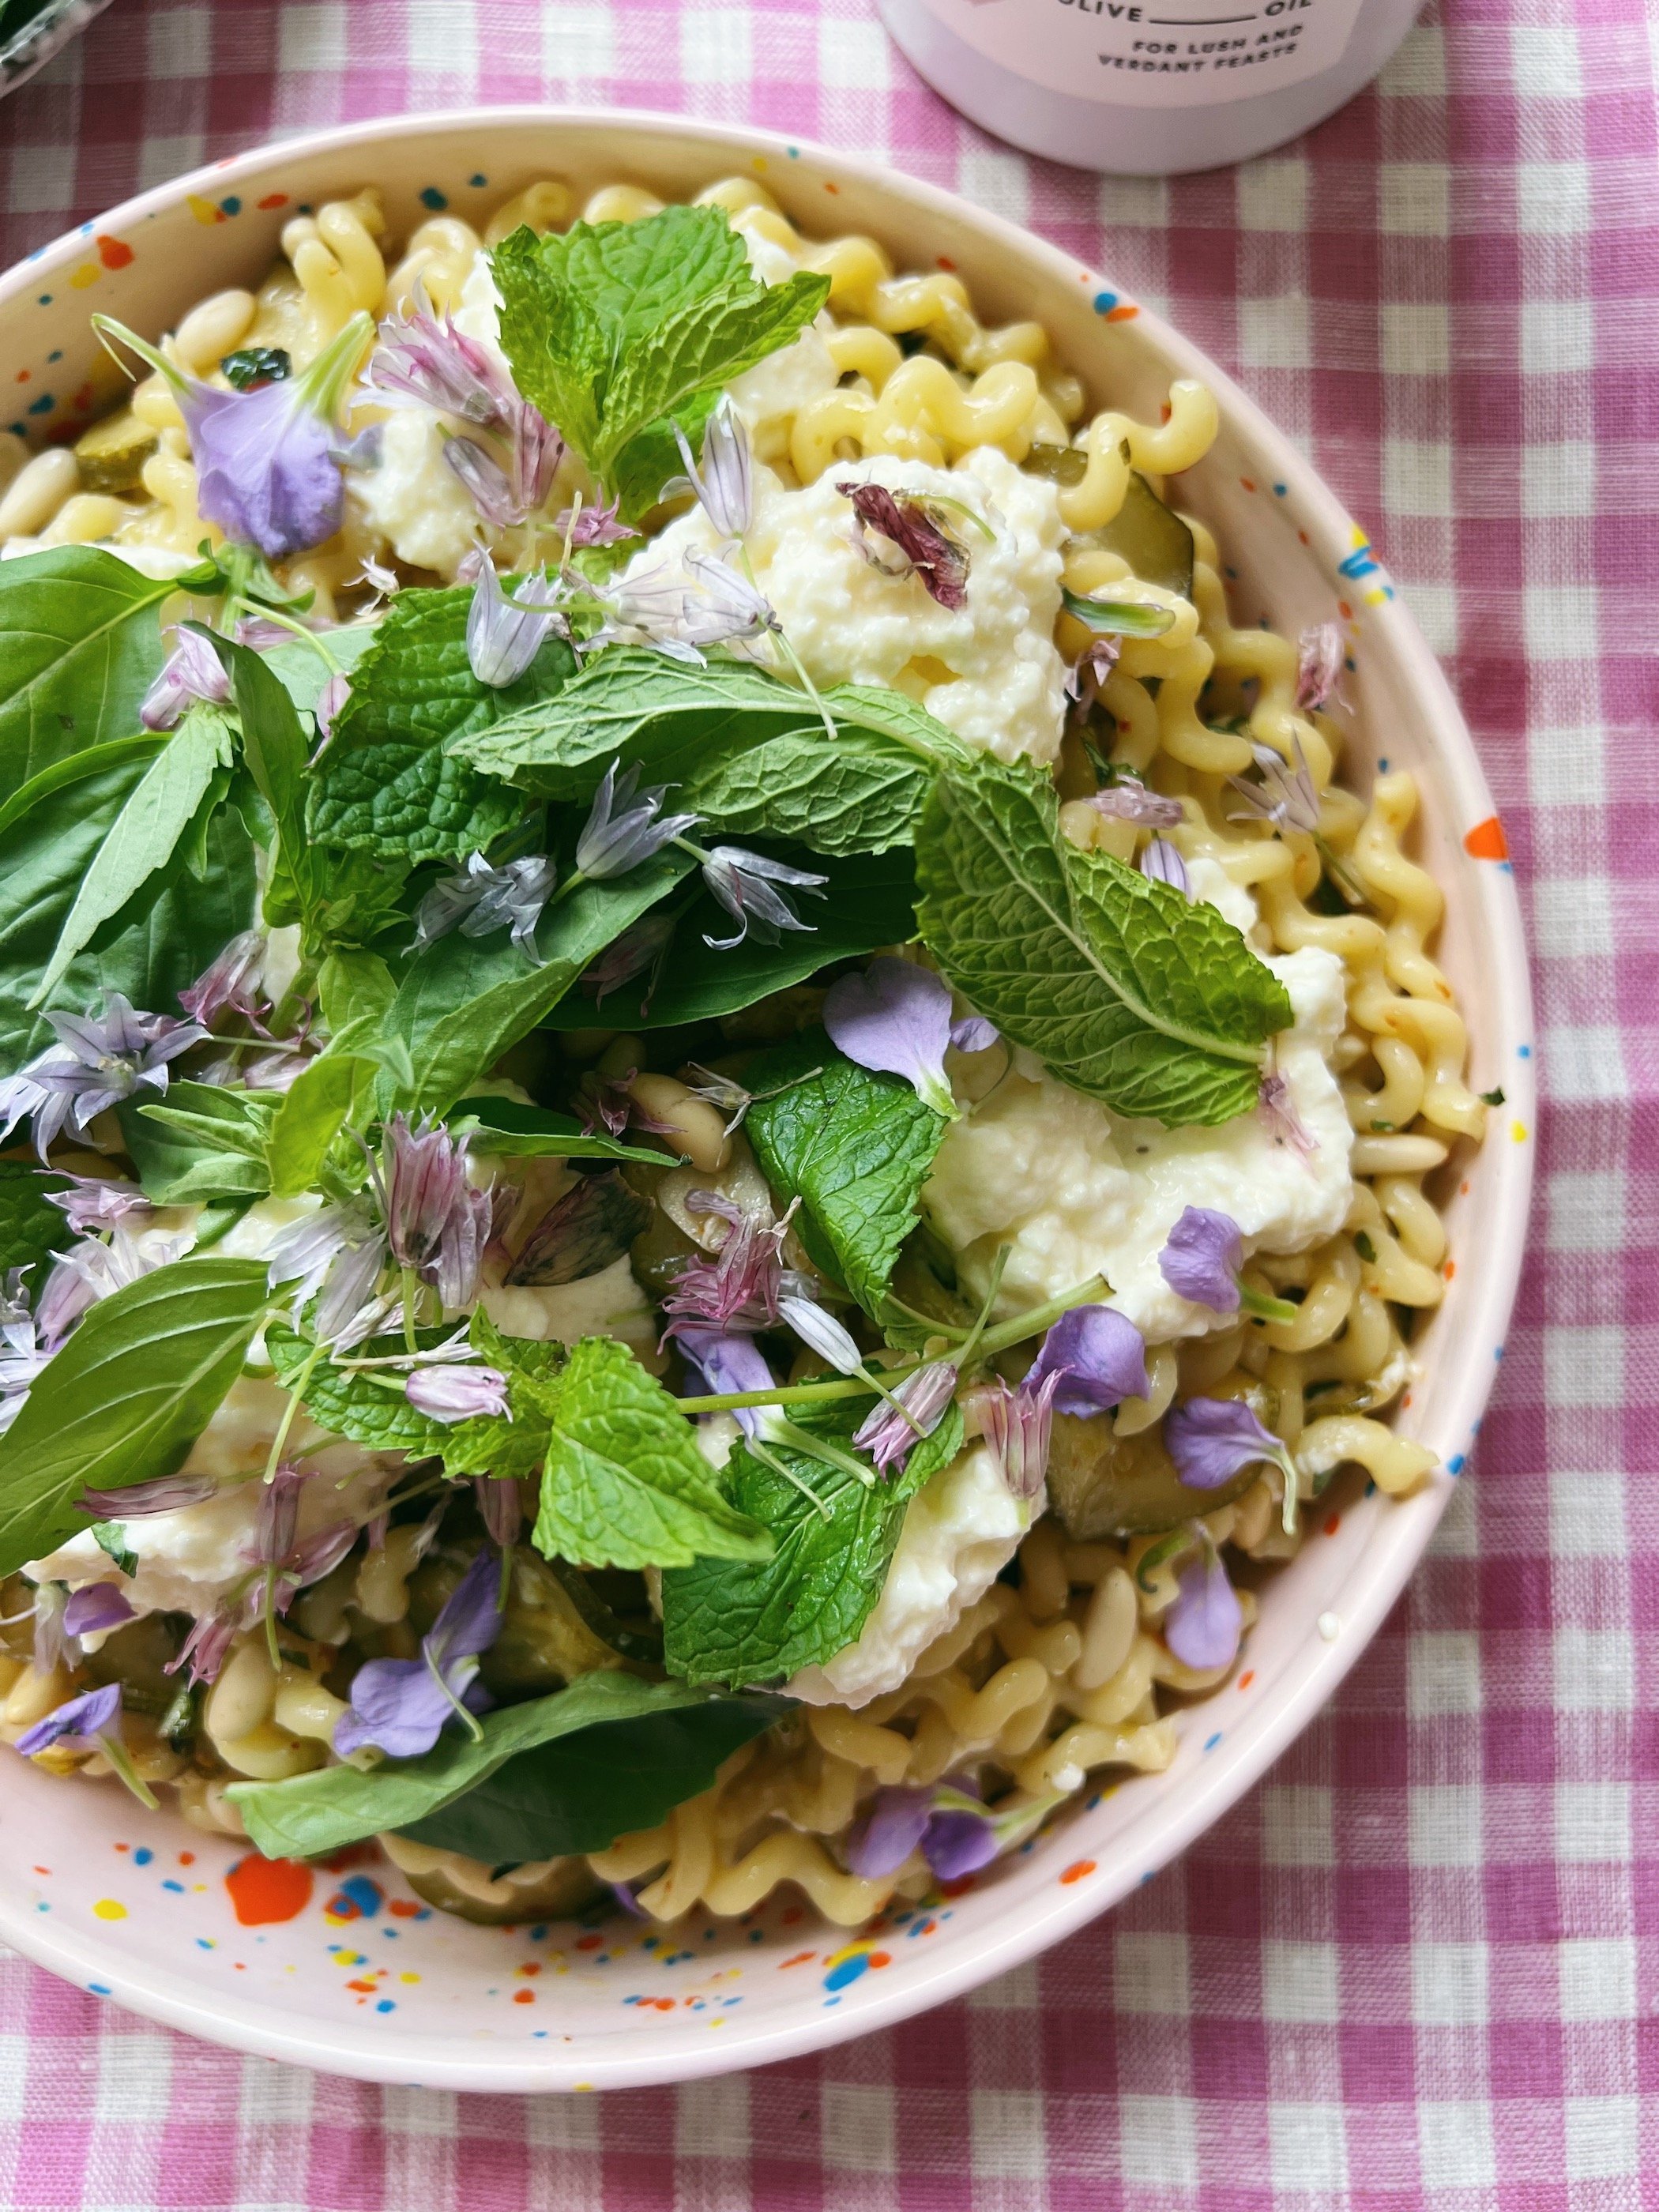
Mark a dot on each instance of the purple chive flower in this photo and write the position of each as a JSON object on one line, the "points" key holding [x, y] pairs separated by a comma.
{"points": [[436, 1224], [739, 1286], [1202, 1627], [503, 635], [895, 1017], [641, 946], [51, 1645], [22, 1357], [480, 899], [423, 360], [1085, 677], [1162, 864], [910, 525], [1276, 1110], [164, 1493], [956, 1835], [1285, 795], [621, 832], [95, 1610], [499, 1507], [1018, 1426], [1318, 667], [401, 1706], [820, 1332], [97, 1061], [1099, 1356], [267, 471], [457, 1394], [207, 1646], [1202, 1259], [336, 1256], [330, 700], [92, 1270], [1212, 1439], [230, 983], [888, 1434], [746, 884], [1132, 802], [79, 1725], [192, 670], [595, 525], [505, 495], [93, 1206], [645, 608], [726, 1360], [725, 484]]}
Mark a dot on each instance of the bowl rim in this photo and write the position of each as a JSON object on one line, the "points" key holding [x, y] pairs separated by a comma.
{"points": [[1392, 1553]]}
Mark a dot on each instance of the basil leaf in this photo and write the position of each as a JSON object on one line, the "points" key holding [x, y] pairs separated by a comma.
{"points": [[144, 835], [80, 645], [853, 1146], [334, 1089], [868, 902], [618, 332], [1131, 993], [302, 671], [111, 1537], [127, 1397], [204, 1140], [75, 767], [30, 1226], [582, 1790], [311, 1814], [345, 1400], [44, 857], [624, 1484], [389, 784], [507, 1129], [729, 1622], [464, 999]]}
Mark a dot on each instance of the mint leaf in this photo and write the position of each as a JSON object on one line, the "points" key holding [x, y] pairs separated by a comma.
{"points": [[310, 1815], [127, 1397], [44, 855], [855, 1147], [625, 1484], [203, 1141], [464, 999], [580, 1790], [387, 785], [30, 1226], [869, 901], [619, 331], [507, 1129], [514, 1446], [1130, 992], [80, 644], [729, 1622], [144, 835], [861, 794]]}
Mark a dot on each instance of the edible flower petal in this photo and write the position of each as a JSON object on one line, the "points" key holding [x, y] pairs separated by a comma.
{"points": [[725, 484], [1212, 1439], [97, 1061], [1017, 1426], [889, 1434], [746, 884], [1164, 864], [95, 1610], [1131, 802], [480, 899], [504, 634], [619, 833], [1285, 795], [78, 1725], [910, 525], [192, 670], [1276, 1110], [1202, 1259], [401, 1706], [896, 1018], [1099, 1356], [420, 359], [1203, 1626], [726, 1360], [457, 1394], [1319, 662]]}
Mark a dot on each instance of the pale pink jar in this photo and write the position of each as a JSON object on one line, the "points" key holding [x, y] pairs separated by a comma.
{"points": [[1148, 87]]}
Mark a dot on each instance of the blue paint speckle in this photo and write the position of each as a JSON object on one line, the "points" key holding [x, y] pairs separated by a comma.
{"points": [[1210, 1742], [1454, 1464], [98, 1988], [386, 2004], [1523, 1052], [44, 300], [142, 1856], [205, 1943], [1497, 1351], [56, 354], [1382, 766], [479, 180], [795, 153], [1104, 302], [43, 405], [1280, 490], [177, 1887], [232, 206], [433, 198], [839, 1976]]}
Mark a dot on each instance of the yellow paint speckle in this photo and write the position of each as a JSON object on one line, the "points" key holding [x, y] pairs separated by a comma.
{"points": [[87, 273], [109, 1908], [203, 210], [1518, 1131], [409, 1977]]}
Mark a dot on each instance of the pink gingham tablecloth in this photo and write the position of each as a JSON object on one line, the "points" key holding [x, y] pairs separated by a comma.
{"points": [[1420, 1965]]}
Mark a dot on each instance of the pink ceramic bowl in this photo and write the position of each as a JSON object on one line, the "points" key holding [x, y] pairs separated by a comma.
{"points": [[344, 1970]]}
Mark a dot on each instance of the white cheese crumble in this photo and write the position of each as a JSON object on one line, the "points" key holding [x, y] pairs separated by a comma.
{"points": [[960, 1531], [989, 670], [1077, 1190]]}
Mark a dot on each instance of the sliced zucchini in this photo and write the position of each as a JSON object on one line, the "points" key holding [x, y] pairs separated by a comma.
{"points": [[1102, 1485], [549, 1889], [112, 453], [1152, 538]]}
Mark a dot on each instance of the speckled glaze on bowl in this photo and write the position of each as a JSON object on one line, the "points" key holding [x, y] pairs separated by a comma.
{"points": [[342, 1969]]}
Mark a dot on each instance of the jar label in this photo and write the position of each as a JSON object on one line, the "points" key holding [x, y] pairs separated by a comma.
{"points": [[1156, 53]]}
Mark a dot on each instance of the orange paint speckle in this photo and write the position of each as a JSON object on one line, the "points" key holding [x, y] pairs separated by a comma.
{"points": [[113, 252], [264, 1890], [589, 1942], [1126, 313], [1332, 1522], [947, 263], [186, 1858], [799, 1959], [1487, 841], [881, 1959], [274, 200], [1463, 1189], [530, 1968], [835, 189], [1450, 1269], [24, 375], [524, 1996], [367, 1988], [403, 1908], [1303, 536], [1345, 610], [1246, 1678], [123, 1847], [1247, 483], [1078, 1868]]}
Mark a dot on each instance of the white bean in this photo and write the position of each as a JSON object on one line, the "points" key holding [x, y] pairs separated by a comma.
{"points": [[37, 490], [1109, 1631], [242, 1697], [690, 1125], [85, 516], [213, 328]]}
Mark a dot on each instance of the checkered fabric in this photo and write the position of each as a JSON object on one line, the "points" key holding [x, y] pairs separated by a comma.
{"points": [[1420, 1965]]}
